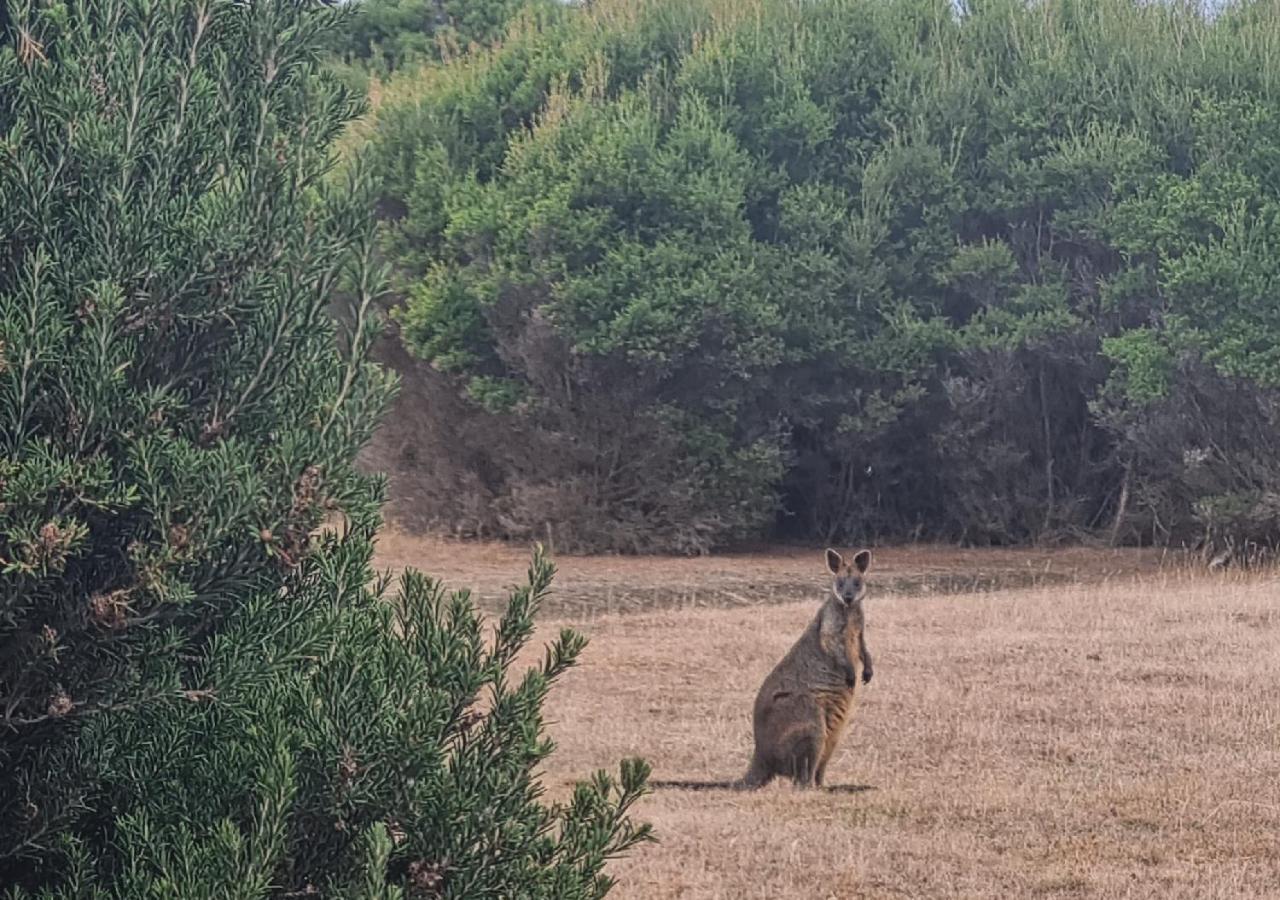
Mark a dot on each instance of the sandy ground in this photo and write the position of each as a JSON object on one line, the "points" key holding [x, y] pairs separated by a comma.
{"points": [[1101, 729]]}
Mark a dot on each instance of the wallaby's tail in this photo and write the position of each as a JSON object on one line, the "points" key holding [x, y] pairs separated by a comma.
{"points": [[693, 785], [757, 776]]}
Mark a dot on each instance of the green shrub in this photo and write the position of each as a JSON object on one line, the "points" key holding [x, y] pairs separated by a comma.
{"points": [[387, 35], [201, 696], [849, 267]]}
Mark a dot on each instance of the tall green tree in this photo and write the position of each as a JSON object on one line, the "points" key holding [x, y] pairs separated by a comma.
{"points": [[870, 268], [200, 694], [385, 35]]}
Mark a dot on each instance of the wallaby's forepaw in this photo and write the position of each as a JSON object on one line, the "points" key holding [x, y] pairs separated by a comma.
{"points": [[851, 678], [866, 674]]}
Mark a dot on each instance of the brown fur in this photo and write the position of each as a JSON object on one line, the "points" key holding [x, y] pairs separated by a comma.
{"points": [[806, 702]]}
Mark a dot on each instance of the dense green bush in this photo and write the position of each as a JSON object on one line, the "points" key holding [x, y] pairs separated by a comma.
{"points": [[387, 35], [701, 270], [199, 695]]}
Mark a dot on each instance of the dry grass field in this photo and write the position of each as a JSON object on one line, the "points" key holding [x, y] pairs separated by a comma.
{"points": [[592, 586], [1109, 730]]}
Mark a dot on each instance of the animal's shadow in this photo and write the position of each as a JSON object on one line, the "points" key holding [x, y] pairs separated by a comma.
{"points": [[733, 786]]}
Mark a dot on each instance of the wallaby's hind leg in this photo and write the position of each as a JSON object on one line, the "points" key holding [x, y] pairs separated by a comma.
{"points": [[804, 759], [828, 750], [758, 775]]}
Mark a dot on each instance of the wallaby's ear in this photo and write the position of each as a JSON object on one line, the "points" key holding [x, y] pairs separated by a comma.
{"points": [[833, 561], [862, 559]]}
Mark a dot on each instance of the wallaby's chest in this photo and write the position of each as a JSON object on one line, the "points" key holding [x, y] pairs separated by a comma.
{"points": [[853, 643], [840, 633]]}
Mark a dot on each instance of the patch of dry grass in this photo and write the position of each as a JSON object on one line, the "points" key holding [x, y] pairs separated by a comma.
{"points": [[589, 586], [1115, 741]]}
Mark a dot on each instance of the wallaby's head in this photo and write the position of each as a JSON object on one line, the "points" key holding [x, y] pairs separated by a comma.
{"points": [[848, 584]]}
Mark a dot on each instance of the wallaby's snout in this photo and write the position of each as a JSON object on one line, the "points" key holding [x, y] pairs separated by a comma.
{"points": [[848, 585]]}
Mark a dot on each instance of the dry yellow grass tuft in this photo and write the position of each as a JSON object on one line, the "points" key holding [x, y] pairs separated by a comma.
{"points": [[1114, 741]]}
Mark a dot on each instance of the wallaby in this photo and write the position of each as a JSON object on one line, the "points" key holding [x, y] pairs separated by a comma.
{"points": [[805, 703]]}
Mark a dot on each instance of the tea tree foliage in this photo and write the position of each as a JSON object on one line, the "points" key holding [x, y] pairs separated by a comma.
{"points": [[848, 267], [201, 696], [386, 36]]}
